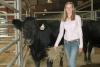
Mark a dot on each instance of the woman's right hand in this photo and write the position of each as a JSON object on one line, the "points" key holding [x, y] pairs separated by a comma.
{"points": [[80, 50], [55, 46]]}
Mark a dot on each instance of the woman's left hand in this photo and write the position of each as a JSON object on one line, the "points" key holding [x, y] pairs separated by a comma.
{"points": [[80, 50]]}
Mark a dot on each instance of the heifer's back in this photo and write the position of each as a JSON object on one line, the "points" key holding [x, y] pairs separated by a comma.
{"points": [[91, 32], [50, 32], [54, 26]]}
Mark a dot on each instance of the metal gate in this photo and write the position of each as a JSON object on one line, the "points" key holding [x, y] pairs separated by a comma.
{"points": [[20, 51]]}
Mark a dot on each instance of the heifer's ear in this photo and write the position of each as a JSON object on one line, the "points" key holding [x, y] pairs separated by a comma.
{"points": [[17, 24]]}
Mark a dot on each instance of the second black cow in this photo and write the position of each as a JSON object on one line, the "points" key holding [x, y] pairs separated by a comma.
{"points": [[91, 38]]}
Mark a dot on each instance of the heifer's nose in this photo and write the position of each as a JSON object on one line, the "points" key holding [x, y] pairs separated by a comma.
{"points": [[42, 27]]}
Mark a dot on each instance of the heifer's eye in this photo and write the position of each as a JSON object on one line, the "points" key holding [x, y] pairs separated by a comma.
{"points": [[42, 27]]}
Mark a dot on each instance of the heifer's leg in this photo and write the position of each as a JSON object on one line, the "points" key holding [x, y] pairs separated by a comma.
{"points": [[49, 63], [90, 46], [61, 62], [36, 60], [37, 63], [85, 50]]}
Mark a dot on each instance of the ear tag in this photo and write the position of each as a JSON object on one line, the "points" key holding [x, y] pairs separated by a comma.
{"points": [[42, 27]]}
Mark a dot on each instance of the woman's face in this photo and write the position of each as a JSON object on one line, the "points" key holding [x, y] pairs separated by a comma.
{"points": [[69, 8]]}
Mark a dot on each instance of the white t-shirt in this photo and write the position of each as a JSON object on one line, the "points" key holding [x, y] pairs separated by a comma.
{"points": [[73, 30]]}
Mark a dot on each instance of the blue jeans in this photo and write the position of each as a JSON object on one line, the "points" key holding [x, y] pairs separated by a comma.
{"points": [[71, 49]]}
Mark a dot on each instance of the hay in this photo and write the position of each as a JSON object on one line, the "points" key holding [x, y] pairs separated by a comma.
{"points": [[55, 55], [43, 63]]}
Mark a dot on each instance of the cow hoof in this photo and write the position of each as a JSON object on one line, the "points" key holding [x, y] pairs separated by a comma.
{"points": [[89, 62], [85, 61]]}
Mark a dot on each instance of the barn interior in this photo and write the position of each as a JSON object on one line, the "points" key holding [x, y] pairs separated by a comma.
{"points": [[11, 52]]}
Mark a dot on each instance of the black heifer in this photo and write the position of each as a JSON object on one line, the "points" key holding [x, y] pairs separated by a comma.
{"points": [[91, 37], [39, 37]]}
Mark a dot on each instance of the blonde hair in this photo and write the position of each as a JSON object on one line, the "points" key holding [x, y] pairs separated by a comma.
{"points": [[65, 15]]}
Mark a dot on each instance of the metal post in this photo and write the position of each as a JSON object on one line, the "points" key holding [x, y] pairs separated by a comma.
{"points": [[92, 18], [95, 15], [34, 14], [26, 13], [16, 31], [91, 5], [19, 46], [92, 14]]}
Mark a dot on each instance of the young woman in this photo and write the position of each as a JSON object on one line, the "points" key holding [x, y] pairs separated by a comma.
{"points": [[73, 41]]}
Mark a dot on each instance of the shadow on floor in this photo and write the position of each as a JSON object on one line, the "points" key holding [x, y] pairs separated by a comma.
{"points": [[91, 65]]}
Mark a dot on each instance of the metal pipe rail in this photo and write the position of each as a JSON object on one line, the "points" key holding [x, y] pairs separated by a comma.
{"points": [[26, 57], [16, 57], [59, 19], [25, 54], [8, 5], [57, 12], [13, 60], [97, 17], [84, 5], [19, 53], [8, 46], [60, 12], [9, 14], [5, 24]]}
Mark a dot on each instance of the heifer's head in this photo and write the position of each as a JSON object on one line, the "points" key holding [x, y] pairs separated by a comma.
{"points": [[28, 27], [18, 24]]}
